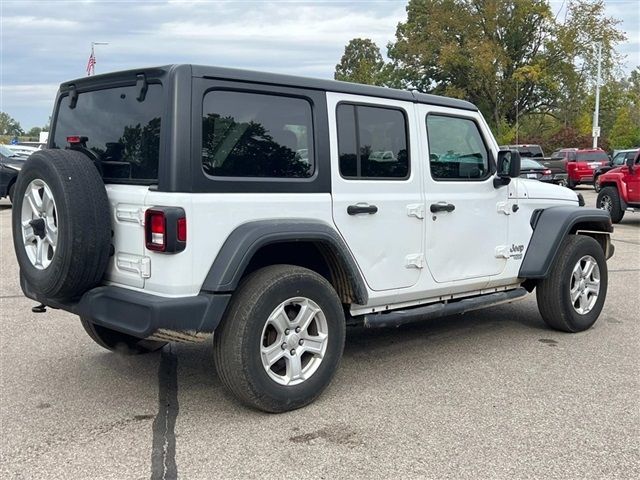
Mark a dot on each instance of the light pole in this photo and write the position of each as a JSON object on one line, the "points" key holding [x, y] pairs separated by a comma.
{"points": [[596, 113], [91, 65]]}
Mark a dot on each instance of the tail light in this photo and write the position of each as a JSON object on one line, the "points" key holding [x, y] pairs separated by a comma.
{"points": [[165, 229], [546, 172]]}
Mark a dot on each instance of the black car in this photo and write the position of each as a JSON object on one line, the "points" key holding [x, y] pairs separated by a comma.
{"points": [[10, 165], [535, 170], [618, 160]]}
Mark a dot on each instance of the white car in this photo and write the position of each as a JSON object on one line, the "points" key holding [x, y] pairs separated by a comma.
{"points": [[22, 149], [176, 213]]}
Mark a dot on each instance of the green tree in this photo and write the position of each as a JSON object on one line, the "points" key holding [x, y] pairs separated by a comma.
{"points": [[34, 132], [625, 133], [9, 125], [361, 63]]}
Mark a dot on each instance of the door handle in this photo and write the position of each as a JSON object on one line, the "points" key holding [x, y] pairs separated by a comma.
{"points": [[361, 208], [442, 207]]}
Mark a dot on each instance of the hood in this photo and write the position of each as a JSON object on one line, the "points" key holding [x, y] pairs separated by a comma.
{"points": [[545, 191]]}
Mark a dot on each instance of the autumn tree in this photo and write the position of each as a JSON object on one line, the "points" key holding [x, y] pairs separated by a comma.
{"points": [[361, 63]]}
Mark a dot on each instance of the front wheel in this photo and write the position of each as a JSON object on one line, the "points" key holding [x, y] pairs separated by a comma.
{"points": [[571, 298], [281, 340], [609, 200], [596, 184]]}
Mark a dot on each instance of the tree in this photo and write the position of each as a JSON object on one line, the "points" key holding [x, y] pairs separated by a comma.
{"points": [[509, 57], [34, 132], [625, 133], [9, 126], [361, 63]]}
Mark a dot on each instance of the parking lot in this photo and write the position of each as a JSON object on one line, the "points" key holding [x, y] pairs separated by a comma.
{"points": [[491, 394]]}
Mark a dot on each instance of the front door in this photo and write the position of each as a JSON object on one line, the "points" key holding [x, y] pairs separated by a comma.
{"points": [[467, 222], [376, 187]]}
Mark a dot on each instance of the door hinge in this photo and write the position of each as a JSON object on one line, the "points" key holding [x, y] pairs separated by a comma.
{"points": [[503, 207], [414, 261], [502, 251], [134, 263], [416, 210], [130, 214]]}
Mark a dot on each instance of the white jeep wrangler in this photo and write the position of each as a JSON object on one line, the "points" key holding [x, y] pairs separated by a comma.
{"points": [[179, 201]]}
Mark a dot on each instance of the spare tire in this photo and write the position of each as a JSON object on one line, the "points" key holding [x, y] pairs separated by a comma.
{"points": [[61, 224]]}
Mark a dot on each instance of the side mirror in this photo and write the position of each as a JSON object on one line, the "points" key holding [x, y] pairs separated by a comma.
{"points": [[630, 162], [508, 167]]}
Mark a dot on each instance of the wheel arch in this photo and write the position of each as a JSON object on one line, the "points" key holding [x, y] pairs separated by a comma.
{"points": [[551, 226], [310, 244]]}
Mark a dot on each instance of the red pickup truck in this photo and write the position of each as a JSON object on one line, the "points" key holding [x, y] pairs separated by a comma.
{"points": [[578, 164], [620, 189]]}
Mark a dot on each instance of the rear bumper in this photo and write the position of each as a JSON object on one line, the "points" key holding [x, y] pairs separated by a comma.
{"points": [[140, 314]]}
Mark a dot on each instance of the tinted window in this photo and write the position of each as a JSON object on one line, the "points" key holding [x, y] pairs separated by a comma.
{"points": [[592, 157], [256, 135], [456, 149], [527, 163], [372, 142], [619, 158], [529, 151], [122, 132]]}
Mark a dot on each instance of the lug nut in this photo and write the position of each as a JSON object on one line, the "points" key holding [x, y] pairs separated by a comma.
{"points": [[297, 329], [293, 351], [287, 331], [301, 342], [284, 346]]}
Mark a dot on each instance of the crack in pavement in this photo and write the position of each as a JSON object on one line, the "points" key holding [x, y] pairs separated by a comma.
{"points": [[163, 452]]}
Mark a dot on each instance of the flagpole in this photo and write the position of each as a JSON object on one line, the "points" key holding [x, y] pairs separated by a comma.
{"points": [[91, 66]]}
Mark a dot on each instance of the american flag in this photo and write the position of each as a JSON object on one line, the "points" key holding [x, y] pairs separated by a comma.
{"points": [[91, 64]]}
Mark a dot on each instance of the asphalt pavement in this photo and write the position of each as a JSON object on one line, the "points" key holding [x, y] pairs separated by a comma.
{"points": [[491, 394]]}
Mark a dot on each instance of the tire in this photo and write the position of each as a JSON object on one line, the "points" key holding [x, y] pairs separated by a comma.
{"points": [[609, 200], [596, 184], [562, 183], [554, 293], [67, 196], [119, 342], [571, 184], [247, 331], [12, 189]]}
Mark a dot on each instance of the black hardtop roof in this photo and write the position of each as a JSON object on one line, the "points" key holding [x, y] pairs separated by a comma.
{"points": [[223, 73]]}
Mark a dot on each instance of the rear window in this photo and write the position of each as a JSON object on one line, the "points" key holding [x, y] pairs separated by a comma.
{"points": [[592, 157], [122, 132], [530, 151], [527, 163]]}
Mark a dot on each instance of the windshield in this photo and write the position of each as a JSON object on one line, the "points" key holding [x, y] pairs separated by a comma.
{"points": [[592, 157], [122, 132]]}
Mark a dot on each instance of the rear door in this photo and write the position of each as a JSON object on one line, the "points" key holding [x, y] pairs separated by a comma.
{"points": [[376, 187]]}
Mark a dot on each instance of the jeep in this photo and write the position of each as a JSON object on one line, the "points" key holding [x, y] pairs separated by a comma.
{"points": [[620, 188], [182, 202]]}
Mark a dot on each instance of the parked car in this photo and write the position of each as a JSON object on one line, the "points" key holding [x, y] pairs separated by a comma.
{"points": [[620, 189], [578, 164], [534, 169], [619, 158], [24, 150], [204, 219], [10, 165]]}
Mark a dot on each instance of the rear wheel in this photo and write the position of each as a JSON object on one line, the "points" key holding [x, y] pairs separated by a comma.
{"points": [[609, 200], [281, 340], [571, 298], [119, 342]]}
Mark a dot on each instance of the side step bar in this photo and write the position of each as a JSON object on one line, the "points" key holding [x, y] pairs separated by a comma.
{"points": [[396, 318]]}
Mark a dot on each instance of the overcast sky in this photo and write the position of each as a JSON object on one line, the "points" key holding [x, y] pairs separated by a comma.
{"points": [[47, 42]]}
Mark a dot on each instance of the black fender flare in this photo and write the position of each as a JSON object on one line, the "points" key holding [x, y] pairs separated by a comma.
{"points": [[240, 246], [550, 227]]}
